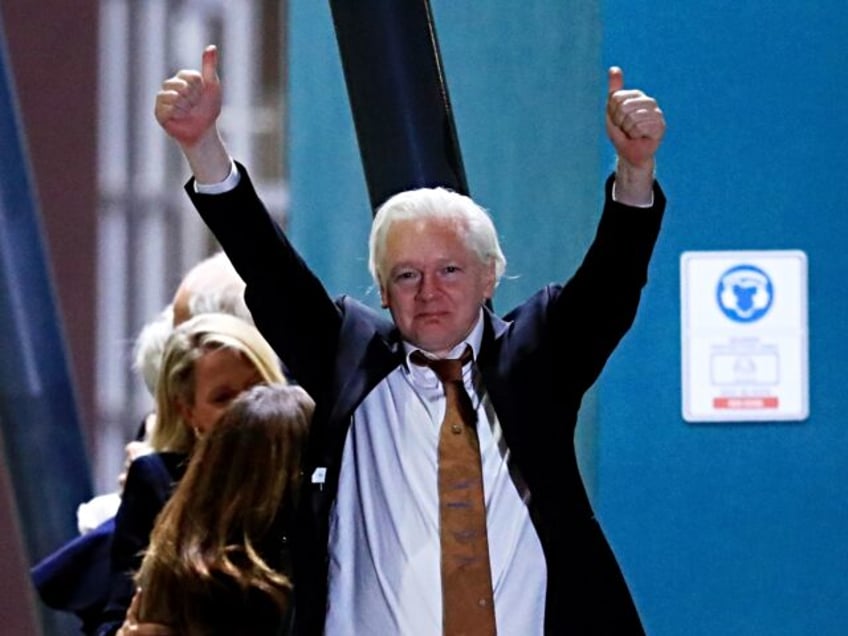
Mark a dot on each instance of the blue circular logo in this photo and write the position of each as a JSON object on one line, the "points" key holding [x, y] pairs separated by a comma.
{"points": [[744, 293]]}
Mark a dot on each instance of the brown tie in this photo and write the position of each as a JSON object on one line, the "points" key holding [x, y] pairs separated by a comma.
{"points": [[467, 599]]}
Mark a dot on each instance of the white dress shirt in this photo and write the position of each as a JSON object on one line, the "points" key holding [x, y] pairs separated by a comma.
{"points": [[384, 570], [385, 559]]}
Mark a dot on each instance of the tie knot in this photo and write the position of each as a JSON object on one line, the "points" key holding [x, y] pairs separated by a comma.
{"points": [[447, 369]]}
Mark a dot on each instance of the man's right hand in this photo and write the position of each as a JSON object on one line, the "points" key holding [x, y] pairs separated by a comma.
{"points": [[187, 108], [189, 103]]}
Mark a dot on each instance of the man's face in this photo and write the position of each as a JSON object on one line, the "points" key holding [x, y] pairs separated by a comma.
{"points": [[434, 285]]}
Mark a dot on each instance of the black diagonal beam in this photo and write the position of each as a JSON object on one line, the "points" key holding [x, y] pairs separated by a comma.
{"points": [[398, 96]]}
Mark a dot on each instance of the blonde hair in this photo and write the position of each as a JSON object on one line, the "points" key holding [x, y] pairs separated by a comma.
{"points": [[176, 383], [215, 544]]}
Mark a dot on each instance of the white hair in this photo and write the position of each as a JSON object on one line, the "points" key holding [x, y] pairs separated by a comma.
{"points": [[211, 286], [226, 299], [149, 345], [435, 203]]}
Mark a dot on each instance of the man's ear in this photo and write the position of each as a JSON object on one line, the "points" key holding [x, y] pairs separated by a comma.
{"points": [[489, 280], [384, 297]]}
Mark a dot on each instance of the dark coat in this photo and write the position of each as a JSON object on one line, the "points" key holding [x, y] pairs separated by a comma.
{"points": [[150, 482], [537, 363], [76, 577]]}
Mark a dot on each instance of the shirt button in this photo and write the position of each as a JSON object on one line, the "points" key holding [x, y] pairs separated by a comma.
{"points": [[456, 428]]}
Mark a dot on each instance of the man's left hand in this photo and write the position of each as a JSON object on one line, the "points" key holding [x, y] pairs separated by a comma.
{"points": [[635, 123]]}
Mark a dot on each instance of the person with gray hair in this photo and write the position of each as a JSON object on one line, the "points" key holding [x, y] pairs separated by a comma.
{"points": [[211, 286], [146, 361], [79, 569], [148, 347], [392, 537]]}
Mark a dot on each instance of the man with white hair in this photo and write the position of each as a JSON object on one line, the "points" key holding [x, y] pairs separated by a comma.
{"points": [[376, 548]]}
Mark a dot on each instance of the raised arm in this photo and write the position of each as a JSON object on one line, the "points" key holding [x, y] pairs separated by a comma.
{"points": [[635, 125], [187, 108], [288, 302]]}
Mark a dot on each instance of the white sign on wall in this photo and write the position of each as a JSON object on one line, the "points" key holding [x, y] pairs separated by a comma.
{"points": [[744, 337]]}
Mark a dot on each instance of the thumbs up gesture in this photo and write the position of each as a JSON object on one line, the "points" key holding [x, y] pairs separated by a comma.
{"points": [[189, 103], [187, 108], [635, 123]]}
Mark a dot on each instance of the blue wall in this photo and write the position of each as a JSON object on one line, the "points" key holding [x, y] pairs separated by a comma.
{"points": [[721, 529], [735, 528]]}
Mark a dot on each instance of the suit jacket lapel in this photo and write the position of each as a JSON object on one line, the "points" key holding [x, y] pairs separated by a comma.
{"points": [[494, 365], [369, 350]]}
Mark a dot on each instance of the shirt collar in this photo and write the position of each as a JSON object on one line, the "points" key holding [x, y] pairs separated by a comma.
{"points": [[474, 339]]}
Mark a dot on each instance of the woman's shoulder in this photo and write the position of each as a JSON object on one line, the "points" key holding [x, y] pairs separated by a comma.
{"points": [[157, 472], [167, 466]]}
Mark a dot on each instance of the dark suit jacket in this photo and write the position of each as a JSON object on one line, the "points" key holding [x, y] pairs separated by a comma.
{"points": [[75, 578], [150, 482], [537, 362]]}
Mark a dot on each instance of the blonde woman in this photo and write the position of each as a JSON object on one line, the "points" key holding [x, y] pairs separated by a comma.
{"points": [[217, 561], [207, 362]]}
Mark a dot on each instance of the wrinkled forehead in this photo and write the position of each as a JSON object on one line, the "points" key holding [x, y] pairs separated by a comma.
{"points": [[427, 236], [442, 223]]}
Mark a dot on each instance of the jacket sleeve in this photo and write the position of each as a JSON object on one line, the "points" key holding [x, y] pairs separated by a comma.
{"points": [[289, 304], [591, 313]]}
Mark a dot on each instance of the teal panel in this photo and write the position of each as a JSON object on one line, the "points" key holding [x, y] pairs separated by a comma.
{"points": [[329, 213], [527, 89], [734, 528], [528, 95]]}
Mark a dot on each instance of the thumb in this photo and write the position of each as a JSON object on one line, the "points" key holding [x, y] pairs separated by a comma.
{"points": [[615, 78], [209, 69]]}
